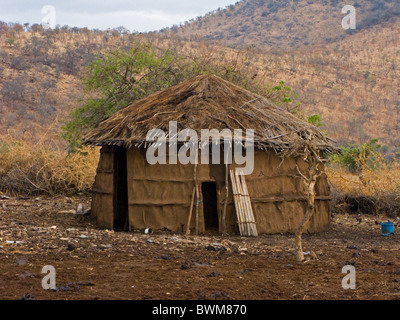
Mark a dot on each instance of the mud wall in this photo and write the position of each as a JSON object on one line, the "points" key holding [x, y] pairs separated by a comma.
{"points": [[159, 196], [278, 199]]}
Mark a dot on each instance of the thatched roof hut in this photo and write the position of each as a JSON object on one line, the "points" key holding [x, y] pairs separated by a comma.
{"points": [[131, 193]]}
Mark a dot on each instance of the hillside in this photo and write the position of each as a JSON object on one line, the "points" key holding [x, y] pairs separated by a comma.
{"points": [[282, 24], [41, 73], [353, 82]]}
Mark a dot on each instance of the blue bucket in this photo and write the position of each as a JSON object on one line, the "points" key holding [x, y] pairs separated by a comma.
{"points": [[387, 228]]}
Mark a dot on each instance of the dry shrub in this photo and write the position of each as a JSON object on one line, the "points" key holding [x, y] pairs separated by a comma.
{"points": [[371, 191], [41, 168]]}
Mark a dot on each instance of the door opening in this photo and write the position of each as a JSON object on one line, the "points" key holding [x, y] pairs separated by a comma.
{"points": [[210, 206], [121, 221]]}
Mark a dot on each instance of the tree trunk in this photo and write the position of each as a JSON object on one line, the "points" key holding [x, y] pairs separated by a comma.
{"points": [[309, 213]]}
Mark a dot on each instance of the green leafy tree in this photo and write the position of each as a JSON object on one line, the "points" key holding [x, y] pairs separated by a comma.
{"points": [[358, 157], [115, 80], [315, 120], [10, 41], [285, 97]]}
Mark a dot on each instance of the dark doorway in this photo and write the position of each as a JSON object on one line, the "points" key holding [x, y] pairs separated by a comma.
{"points": [[121, 222], [210, 206]]}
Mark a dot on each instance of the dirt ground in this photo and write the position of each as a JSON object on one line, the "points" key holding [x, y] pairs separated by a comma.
{"points": [[97, 264]]}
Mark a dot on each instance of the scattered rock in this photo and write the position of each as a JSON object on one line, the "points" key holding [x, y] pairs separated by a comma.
{"points": [[214, 274], [397, 272], [246, 271], [71, 247], [166, 257], [349, 263], [211, 248], [27, 274], [197, 264], [216, 247], [186, 265], [353, 248], [80, 209], [69, 287], [219, 294], [27, 296]]}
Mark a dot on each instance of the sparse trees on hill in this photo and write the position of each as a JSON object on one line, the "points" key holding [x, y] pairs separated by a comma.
{"points": [[14, 90]]}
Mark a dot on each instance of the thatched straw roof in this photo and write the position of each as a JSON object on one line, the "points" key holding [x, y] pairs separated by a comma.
{"points": [[210, 102]]}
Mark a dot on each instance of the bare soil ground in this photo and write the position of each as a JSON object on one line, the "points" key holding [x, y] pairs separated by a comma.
{"points": [[102, 264]]}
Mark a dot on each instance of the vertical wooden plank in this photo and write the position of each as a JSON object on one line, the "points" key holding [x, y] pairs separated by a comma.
{"points": [[239, 205], [252, 221], [103, 190], [243, 204]]}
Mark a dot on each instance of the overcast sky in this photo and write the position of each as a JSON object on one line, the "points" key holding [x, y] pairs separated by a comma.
{"points": [[139, 15]]}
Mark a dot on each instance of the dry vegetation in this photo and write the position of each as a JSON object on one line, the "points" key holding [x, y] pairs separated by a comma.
{"points": [[282, 24], [352, 83], [371, 191], [42, 169]]}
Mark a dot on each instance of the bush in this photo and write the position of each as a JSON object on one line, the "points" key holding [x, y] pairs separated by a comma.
{"points": [[38, 169], [355, 157], [370, 191], [19, 63]]}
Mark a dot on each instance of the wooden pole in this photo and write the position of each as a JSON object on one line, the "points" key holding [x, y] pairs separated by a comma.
{"points": [[190, 213], [197, 199], [226, 198], [244, 199]]}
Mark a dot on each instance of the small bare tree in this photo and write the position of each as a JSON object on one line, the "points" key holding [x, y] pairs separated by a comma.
{"points": [[315, 169]]}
